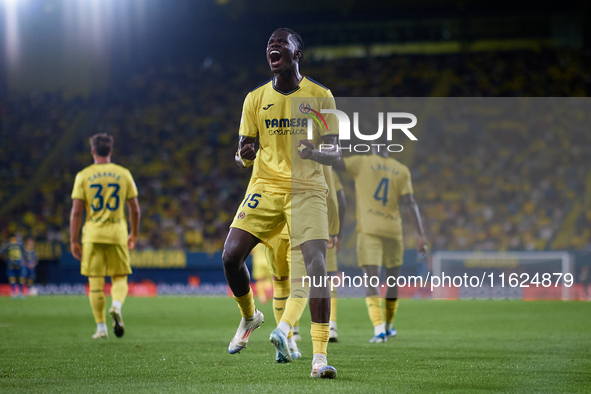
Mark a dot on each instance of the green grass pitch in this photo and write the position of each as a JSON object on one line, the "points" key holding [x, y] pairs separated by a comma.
{"points": [[180, 345]]}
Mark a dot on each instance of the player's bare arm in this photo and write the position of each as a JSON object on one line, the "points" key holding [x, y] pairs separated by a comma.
{"points": [[75, 225], [134, 221], [327, 157], [246, 152], [339, 165], [411, 205]]}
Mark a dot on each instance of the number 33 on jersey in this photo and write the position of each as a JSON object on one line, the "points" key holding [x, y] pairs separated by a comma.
{"points": [[104, 188]]}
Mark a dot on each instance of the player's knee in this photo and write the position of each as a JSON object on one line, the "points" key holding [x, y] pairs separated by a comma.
{"points": [[316, 267], [231, 257]]}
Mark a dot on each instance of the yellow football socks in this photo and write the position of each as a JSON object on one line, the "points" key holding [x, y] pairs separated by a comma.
{"points": [[374, 308], [97, 298], [293, 310], [281, 290], [320, 333], [246, 304], [295, 304], [119, 288], [391, 308]]}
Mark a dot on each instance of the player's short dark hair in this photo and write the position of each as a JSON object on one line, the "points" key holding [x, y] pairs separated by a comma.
{"points": [[298, 39], [102, 144]]}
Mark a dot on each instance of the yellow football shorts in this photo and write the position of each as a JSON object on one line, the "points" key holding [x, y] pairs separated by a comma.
{"points": [[260, 268], [285, 262], [279, 257], [298, 266], [262, 214], [105, 260], [380, 251], [331, 260]]}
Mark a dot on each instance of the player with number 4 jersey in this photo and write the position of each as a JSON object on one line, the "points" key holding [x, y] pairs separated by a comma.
{"points": [[381, 185]]}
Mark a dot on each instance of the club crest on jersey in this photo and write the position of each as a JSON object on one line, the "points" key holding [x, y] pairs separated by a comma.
{"points": [[306, 109], [241, 215]]}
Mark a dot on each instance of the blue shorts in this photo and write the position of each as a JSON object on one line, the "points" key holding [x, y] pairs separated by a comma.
{"points": [[12, 273], [28, 273]]}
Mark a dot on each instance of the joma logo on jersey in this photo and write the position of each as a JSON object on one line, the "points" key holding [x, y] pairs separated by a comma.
{"points": [[286, 122]]}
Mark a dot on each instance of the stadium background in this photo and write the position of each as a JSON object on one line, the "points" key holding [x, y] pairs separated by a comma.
{"points": [[167, 79]]}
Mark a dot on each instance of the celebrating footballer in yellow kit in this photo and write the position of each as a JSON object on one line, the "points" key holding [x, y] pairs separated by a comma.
{"points": [[103, 189], [381, 184], [288, 187], [290, 294]]}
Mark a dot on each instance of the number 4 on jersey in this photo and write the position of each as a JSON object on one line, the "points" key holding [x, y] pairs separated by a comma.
{"points": [[381, 193]]}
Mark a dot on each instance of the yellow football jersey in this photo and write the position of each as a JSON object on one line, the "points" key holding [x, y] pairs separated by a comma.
{"points": [[379, 183], [105, 188], [267, 114]]}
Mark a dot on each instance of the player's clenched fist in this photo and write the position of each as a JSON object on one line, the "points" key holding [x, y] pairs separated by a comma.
{"points": [[247, 152], [305, 149]]}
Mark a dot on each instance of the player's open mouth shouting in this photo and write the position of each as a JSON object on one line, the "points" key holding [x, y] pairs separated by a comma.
{"points": [[275, 52], [275, 59]]}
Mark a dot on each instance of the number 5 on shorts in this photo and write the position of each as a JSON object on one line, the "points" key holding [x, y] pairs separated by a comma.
{"points": [[253, 201]]}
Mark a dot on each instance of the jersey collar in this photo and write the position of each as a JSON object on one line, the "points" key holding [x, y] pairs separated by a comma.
{"points": [[288, 93]]}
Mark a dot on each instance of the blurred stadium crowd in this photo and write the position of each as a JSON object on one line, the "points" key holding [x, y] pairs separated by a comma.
{"points": [[176, 128]]}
